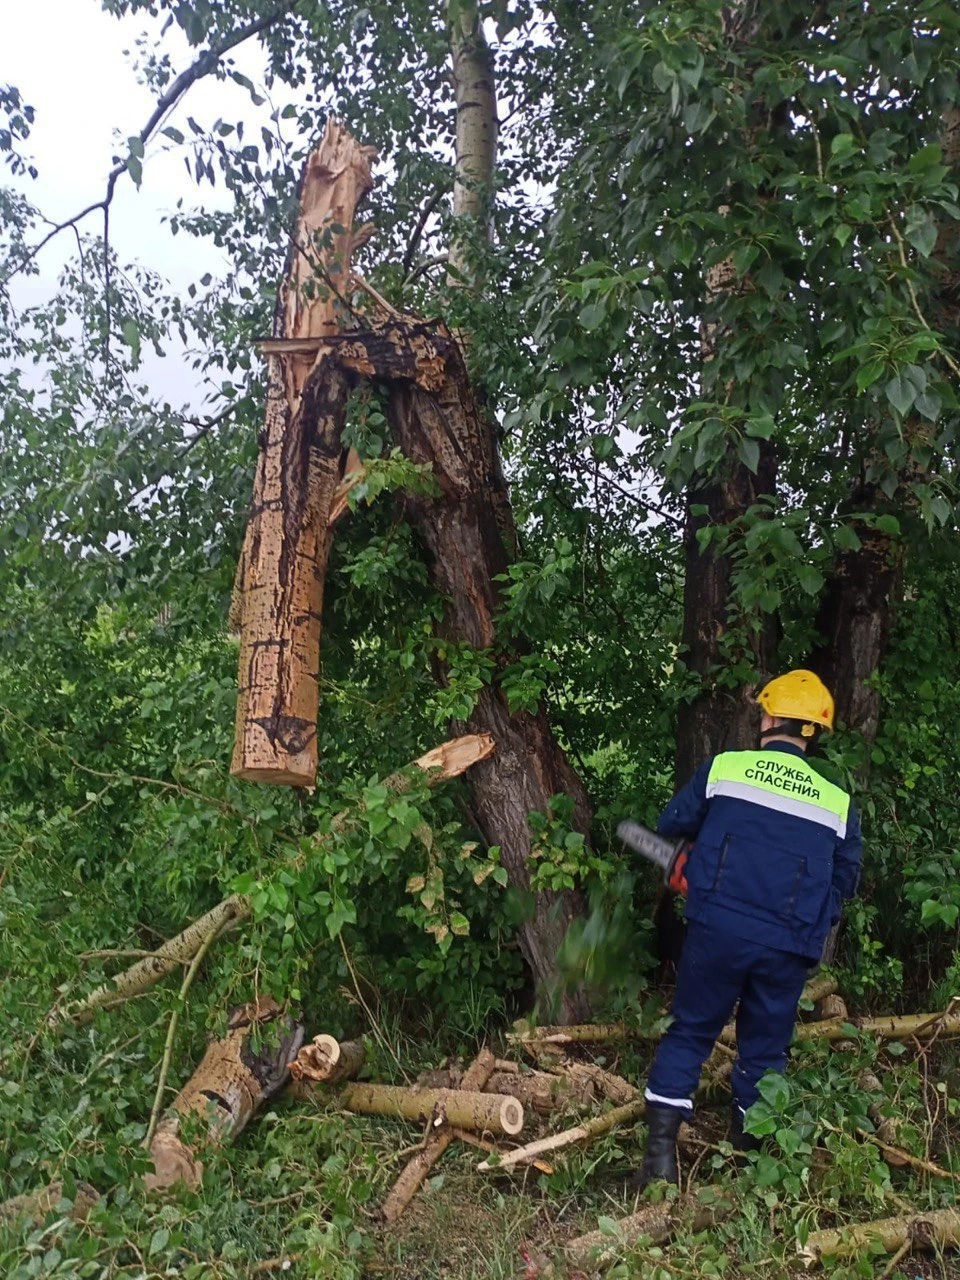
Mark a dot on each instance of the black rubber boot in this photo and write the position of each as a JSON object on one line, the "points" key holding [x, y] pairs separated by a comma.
{"points": [[660, 1158], [739, 1140]]}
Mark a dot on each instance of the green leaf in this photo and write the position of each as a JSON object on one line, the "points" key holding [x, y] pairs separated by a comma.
{"points": [[901, 393], [749, 451], [843, 145], [810, 578], [923, 236]]}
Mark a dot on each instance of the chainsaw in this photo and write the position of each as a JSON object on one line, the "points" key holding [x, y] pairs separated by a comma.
{"points": [[670, 855]]}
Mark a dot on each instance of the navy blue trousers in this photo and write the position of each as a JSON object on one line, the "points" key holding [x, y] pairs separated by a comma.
{"points": [[716, 970]]}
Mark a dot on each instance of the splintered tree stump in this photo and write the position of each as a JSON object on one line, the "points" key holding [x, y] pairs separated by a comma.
{"points": [[327, 1060], [300, 469], [236, 1076], [466, 1109]]}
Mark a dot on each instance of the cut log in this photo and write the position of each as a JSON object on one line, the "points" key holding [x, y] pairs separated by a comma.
{"points": [[923, 1230], [441, 763], [919, 1025], [483, 1112], [819, 988], [655, 1222], [543, 1092], [415, 1174], [327, 1060], [585, 1132], [236, 1076], [887, 1127], [588, 1075], [300, 467]]}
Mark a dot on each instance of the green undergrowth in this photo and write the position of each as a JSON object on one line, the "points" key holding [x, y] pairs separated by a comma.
{"points": [[302, 1184]]}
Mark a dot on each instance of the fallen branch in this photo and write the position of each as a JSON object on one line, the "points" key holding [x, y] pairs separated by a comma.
{"points": [[897, 1156], [467, 1109], [887, 1126], [585, 1132], [326, 1060], [473, 1140], [655, 1222], [415, 1174], [585, 1074], [185, 986], [442, 763], [920, 1025], [923, 1231], [158, 964]]}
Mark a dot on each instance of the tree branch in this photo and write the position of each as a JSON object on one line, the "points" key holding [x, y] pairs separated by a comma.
{"points": [[203, 66]]}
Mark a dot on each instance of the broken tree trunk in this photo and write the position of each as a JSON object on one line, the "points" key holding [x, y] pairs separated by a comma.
{"points": [[468, 531], [300, 468], [655, 1222], [922, 1230], [493, 1112], [236, 1076], [412, 1178], [327, 1060], [449, 760]]}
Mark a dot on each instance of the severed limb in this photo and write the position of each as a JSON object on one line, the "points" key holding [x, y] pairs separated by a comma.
{"points": [[922, 1230], [656, 1222], [474, 1140], [327, 1060], [237, 1075], [467, 1109], [415, 1174], [440, 764], [585, 1132]]}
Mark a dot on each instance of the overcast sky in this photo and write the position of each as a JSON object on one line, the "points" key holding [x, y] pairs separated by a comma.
{"points": [[69, 61]]}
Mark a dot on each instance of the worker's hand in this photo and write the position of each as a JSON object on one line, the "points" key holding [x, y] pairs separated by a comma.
{"points": [[678, 880]]}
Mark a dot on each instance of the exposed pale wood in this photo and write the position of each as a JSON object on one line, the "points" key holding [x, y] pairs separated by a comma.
{"points": [[656, 1222], [415, 1174], [924, 1230], [474, 1140], [234, 1078], [578, 1133], [921, 1025], [300, 467], [467, 1109], [819, 988], [327, 1060]]}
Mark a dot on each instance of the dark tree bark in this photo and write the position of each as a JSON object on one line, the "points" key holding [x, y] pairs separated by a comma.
{"points": [[469, 535], [854, 621], [719, 719]]}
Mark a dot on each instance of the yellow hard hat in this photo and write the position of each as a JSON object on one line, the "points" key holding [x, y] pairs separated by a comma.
{"points": [[799, 695]]}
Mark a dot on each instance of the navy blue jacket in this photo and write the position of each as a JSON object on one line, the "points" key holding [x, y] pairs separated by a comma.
{"points": [[761, 867]]}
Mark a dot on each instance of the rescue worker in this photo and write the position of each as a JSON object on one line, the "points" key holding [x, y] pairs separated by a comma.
{"points": [[776, 850]]}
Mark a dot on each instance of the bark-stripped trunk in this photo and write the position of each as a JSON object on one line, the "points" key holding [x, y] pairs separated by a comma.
{"points": [[300, 467]]}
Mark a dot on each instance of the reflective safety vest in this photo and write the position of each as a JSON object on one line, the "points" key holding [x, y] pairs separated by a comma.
{"points": [[783, 783], [776, 847]]}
